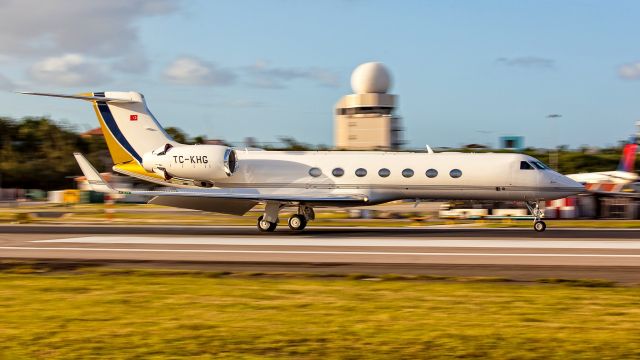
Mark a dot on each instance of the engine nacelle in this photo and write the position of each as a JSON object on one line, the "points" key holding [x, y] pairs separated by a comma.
{"points": [[196, 162]]}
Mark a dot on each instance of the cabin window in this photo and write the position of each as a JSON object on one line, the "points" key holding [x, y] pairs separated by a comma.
{"points": [[361, 172], [455, 173], [407, 173], [384, 172], [525, 166], [315, 172], [337, 172], [431, 173]]}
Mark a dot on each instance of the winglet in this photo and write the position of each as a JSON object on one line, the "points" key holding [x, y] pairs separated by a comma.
{"points": [[96, 182]]}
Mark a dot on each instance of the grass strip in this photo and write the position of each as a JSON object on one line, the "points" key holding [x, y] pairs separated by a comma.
{"points": [[76, 312]]}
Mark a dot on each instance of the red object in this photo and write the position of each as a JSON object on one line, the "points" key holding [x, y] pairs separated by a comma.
{"points": [[628, 157], [133, 117]]}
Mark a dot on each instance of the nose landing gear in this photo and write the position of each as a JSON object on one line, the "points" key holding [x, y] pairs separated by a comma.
{"points": [[534, 208], [539, 226]]}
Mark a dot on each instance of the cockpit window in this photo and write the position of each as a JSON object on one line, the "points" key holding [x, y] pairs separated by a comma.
{"points": [[525, 166], [540, 165]]}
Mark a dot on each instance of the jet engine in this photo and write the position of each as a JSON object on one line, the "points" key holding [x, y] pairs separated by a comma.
{"points": [[195, 162]]}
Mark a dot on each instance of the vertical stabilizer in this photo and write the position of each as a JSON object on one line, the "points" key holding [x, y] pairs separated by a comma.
{"points": [[628, 159], [128, 126]]}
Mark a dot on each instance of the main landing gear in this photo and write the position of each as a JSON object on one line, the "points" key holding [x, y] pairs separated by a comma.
{"points": [[297, 222], [534, 208], [266, 226]]}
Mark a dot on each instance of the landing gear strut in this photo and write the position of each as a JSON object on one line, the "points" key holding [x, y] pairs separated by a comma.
{"points": [[534, 208], [269, 221]]}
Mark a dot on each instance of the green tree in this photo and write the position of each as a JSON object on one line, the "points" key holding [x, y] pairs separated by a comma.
{"points": [[177, 134]]}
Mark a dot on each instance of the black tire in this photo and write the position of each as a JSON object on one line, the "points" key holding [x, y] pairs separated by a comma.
{"points": [[539, 226], [266, 226], [297, 222]]}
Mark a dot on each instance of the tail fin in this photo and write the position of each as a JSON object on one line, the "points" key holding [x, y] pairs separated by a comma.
{"points": [[628, 159], [129, 128]]}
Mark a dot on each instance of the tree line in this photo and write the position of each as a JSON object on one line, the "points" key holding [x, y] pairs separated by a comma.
{"points": [[37, 153]]}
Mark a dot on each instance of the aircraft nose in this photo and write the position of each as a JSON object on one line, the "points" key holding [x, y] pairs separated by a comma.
{"points": [[568, 186], [572, 184], [563, 186]]}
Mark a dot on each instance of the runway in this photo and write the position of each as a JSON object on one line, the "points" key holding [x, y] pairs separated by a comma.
{"points": [[517, 253]]}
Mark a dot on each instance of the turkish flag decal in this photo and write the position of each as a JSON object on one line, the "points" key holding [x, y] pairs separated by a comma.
{"points": [[133, 117]]}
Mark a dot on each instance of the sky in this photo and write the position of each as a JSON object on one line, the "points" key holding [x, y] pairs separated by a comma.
{"points": [[464, 71]]}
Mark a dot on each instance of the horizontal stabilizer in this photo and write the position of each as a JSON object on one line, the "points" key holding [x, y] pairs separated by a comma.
{"points": [[96, 182], [83, 97]]}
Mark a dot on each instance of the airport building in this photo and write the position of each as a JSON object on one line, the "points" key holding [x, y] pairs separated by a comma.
{"points": [[366, 120]]}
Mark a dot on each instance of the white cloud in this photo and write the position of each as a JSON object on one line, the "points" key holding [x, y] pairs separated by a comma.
{"points": [[527, 61], [99, 28], [630, 71], [193, 71], [68, 70], [263, 75]]}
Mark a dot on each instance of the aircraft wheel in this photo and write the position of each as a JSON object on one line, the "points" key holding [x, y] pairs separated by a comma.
{"points": [[297, 222], [539, 226], [265, 226]]}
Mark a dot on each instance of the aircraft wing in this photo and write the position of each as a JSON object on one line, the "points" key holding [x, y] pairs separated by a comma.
{"points": [[232, 201], [253, 194]]}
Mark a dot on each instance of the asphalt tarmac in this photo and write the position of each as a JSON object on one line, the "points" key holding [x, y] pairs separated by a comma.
{"points": [[519, 254]]}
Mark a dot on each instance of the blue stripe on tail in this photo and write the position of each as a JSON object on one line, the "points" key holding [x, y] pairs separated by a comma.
{"points": [[113, 127]]}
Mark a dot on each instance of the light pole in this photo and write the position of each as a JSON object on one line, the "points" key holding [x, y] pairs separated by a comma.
{"points": [[553, 155]]}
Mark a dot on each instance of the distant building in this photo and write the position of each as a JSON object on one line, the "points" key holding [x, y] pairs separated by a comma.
{"points": [[512, 142], [92, 133], [366, 120]]}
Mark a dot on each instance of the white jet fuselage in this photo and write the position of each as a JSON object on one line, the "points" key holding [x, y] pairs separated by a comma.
{"points": [[483, 176], [606, 177]]}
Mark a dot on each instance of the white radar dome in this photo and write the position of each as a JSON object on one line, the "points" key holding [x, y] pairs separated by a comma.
{"points": [[371, 77]]}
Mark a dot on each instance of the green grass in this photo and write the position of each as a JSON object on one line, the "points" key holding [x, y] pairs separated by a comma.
{"points": [[132, 314]]}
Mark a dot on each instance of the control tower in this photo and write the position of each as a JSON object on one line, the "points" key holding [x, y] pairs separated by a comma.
{"points": [[365, 120]]}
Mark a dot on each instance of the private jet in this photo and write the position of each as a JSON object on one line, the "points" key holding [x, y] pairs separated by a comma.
{"points": [[229, 180], [624, 174]]}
